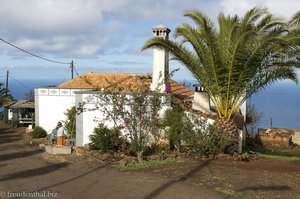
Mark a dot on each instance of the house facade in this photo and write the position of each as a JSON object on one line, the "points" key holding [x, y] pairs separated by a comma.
{"points": [[51, 103]]}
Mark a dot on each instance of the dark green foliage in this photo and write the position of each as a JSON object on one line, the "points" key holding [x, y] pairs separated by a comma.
{"points": [[3, 97], [195, 133], [173, 119], [71, 122], [106, 139], [203, 138], [39, 132]]}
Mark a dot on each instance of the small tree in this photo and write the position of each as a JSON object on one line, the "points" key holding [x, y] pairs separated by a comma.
{"points": [[133, 108], [71, 122], [136, 113], [3, 97], [173, 120], [253, 117]]}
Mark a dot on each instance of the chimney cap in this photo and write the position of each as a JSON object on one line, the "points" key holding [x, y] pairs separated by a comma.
{"points": [[161, 27]]}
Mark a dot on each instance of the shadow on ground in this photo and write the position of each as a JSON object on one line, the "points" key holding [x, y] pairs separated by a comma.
{"points": [[34, 172], [267, 188], [71, 179], [19, 154], [9, 138], [6, 136], [6, 132], [165, 186]]}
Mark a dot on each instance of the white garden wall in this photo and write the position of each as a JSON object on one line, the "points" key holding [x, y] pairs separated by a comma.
{"points": [[89, 119], [51, 104]]}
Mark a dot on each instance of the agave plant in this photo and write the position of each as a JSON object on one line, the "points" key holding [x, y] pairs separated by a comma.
{"points": [[238, 58]]}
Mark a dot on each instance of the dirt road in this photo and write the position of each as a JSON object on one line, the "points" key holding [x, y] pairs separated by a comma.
{"points": [[24, 172]]}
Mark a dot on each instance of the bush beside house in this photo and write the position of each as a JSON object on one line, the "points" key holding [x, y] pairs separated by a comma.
{"points": [[106, 139], [38, 132]]}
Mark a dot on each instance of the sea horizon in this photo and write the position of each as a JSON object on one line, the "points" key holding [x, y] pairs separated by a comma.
{"points": [[280, 101]]}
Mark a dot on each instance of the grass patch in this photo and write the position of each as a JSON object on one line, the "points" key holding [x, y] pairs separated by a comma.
{"points": [[284, 154], [281, 157], [147, 164], [228, 192]]}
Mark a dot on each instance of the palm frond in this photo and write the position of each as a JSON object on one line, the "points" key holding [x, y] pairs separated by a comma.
{"points": [[240, 57]]}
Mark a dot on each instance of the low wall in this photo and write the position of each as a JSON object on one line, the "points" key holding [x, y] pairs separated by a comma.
{"points": [[274, 141]]}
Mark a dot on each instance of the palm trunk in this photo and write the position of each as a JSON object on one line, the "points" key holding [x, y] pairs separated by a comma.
{"points": [[230, 129]]}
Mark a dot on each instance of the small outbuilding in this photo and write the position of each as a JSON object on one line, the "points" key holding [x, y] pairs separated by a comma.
{"points": [[7, 112], [22, 112]]}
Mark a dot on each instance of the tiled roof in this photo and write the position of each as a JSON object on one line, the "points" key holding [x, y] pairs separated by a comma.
{"points": [[23, 104], [180, 91], [125, 82]]}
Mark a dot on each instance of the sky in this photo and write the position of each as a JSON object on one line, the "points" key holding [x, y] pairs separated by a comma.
{"points": [[100, 35]]}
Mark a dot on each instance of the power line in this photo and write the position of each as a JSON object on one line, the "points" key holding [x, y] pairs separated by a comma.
{"points": [[46, 59], [66, 75], [76, 71], [20, 83]]}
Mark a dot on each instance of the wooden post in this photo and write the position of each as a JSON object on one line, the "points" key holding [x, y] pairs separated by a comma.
{"points": [[72, 69], [6, 89]]}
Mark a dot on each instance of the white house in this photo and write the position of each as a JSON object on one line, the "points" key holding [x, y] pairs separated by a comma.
{"points": [[51, 103]]}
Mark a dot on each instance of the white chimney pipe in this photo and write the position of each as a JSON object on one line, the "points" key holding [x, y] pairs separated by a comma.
{"points": [[160, 61]]}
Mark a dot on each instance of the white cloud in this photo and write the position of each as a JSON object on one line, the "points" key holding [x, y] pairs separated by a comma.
{"points": [[285, 8], [87, 28], [49, 16], [64, 28]]}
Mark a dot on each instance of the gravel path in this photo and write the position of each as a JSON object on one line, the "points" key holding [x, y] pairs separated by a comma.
{"points": [[25, 172]]}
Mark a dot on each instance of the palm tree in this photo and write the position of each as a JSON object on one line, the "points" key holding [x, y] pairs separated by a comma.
{"points": [[3, 97], [294, 37], [236, 59]]}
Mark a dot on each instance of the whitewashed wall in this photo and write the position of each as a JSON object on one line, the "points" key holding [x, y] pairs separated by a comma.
{"points": [[51, 104], [89, 119], [85, 121], [202, 102]]}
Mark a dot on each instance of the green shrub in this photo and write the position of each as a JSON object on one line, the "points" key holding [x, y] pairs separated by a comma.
{"points": [[71, 122], [106, 139], [203, 138], [173, 119], [245, 157], [39, 132]]}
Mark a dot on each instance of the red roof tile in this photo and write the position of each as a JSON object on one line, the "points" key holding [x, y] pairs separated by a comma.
{"points": [[125, 82]]}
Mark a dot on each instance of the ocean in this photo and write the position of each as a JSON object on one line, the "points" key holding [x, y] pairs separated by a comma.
{"points": [[280, 101]]}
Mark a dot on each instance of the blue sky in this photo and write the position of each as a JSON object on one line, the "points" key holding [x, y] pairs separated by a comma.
{"points": [[100, 35]]}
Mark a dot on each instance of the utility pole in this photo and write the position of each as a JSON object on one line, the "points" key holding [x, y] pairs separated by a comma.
{"points": [[72, 69], [6, 89]]}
